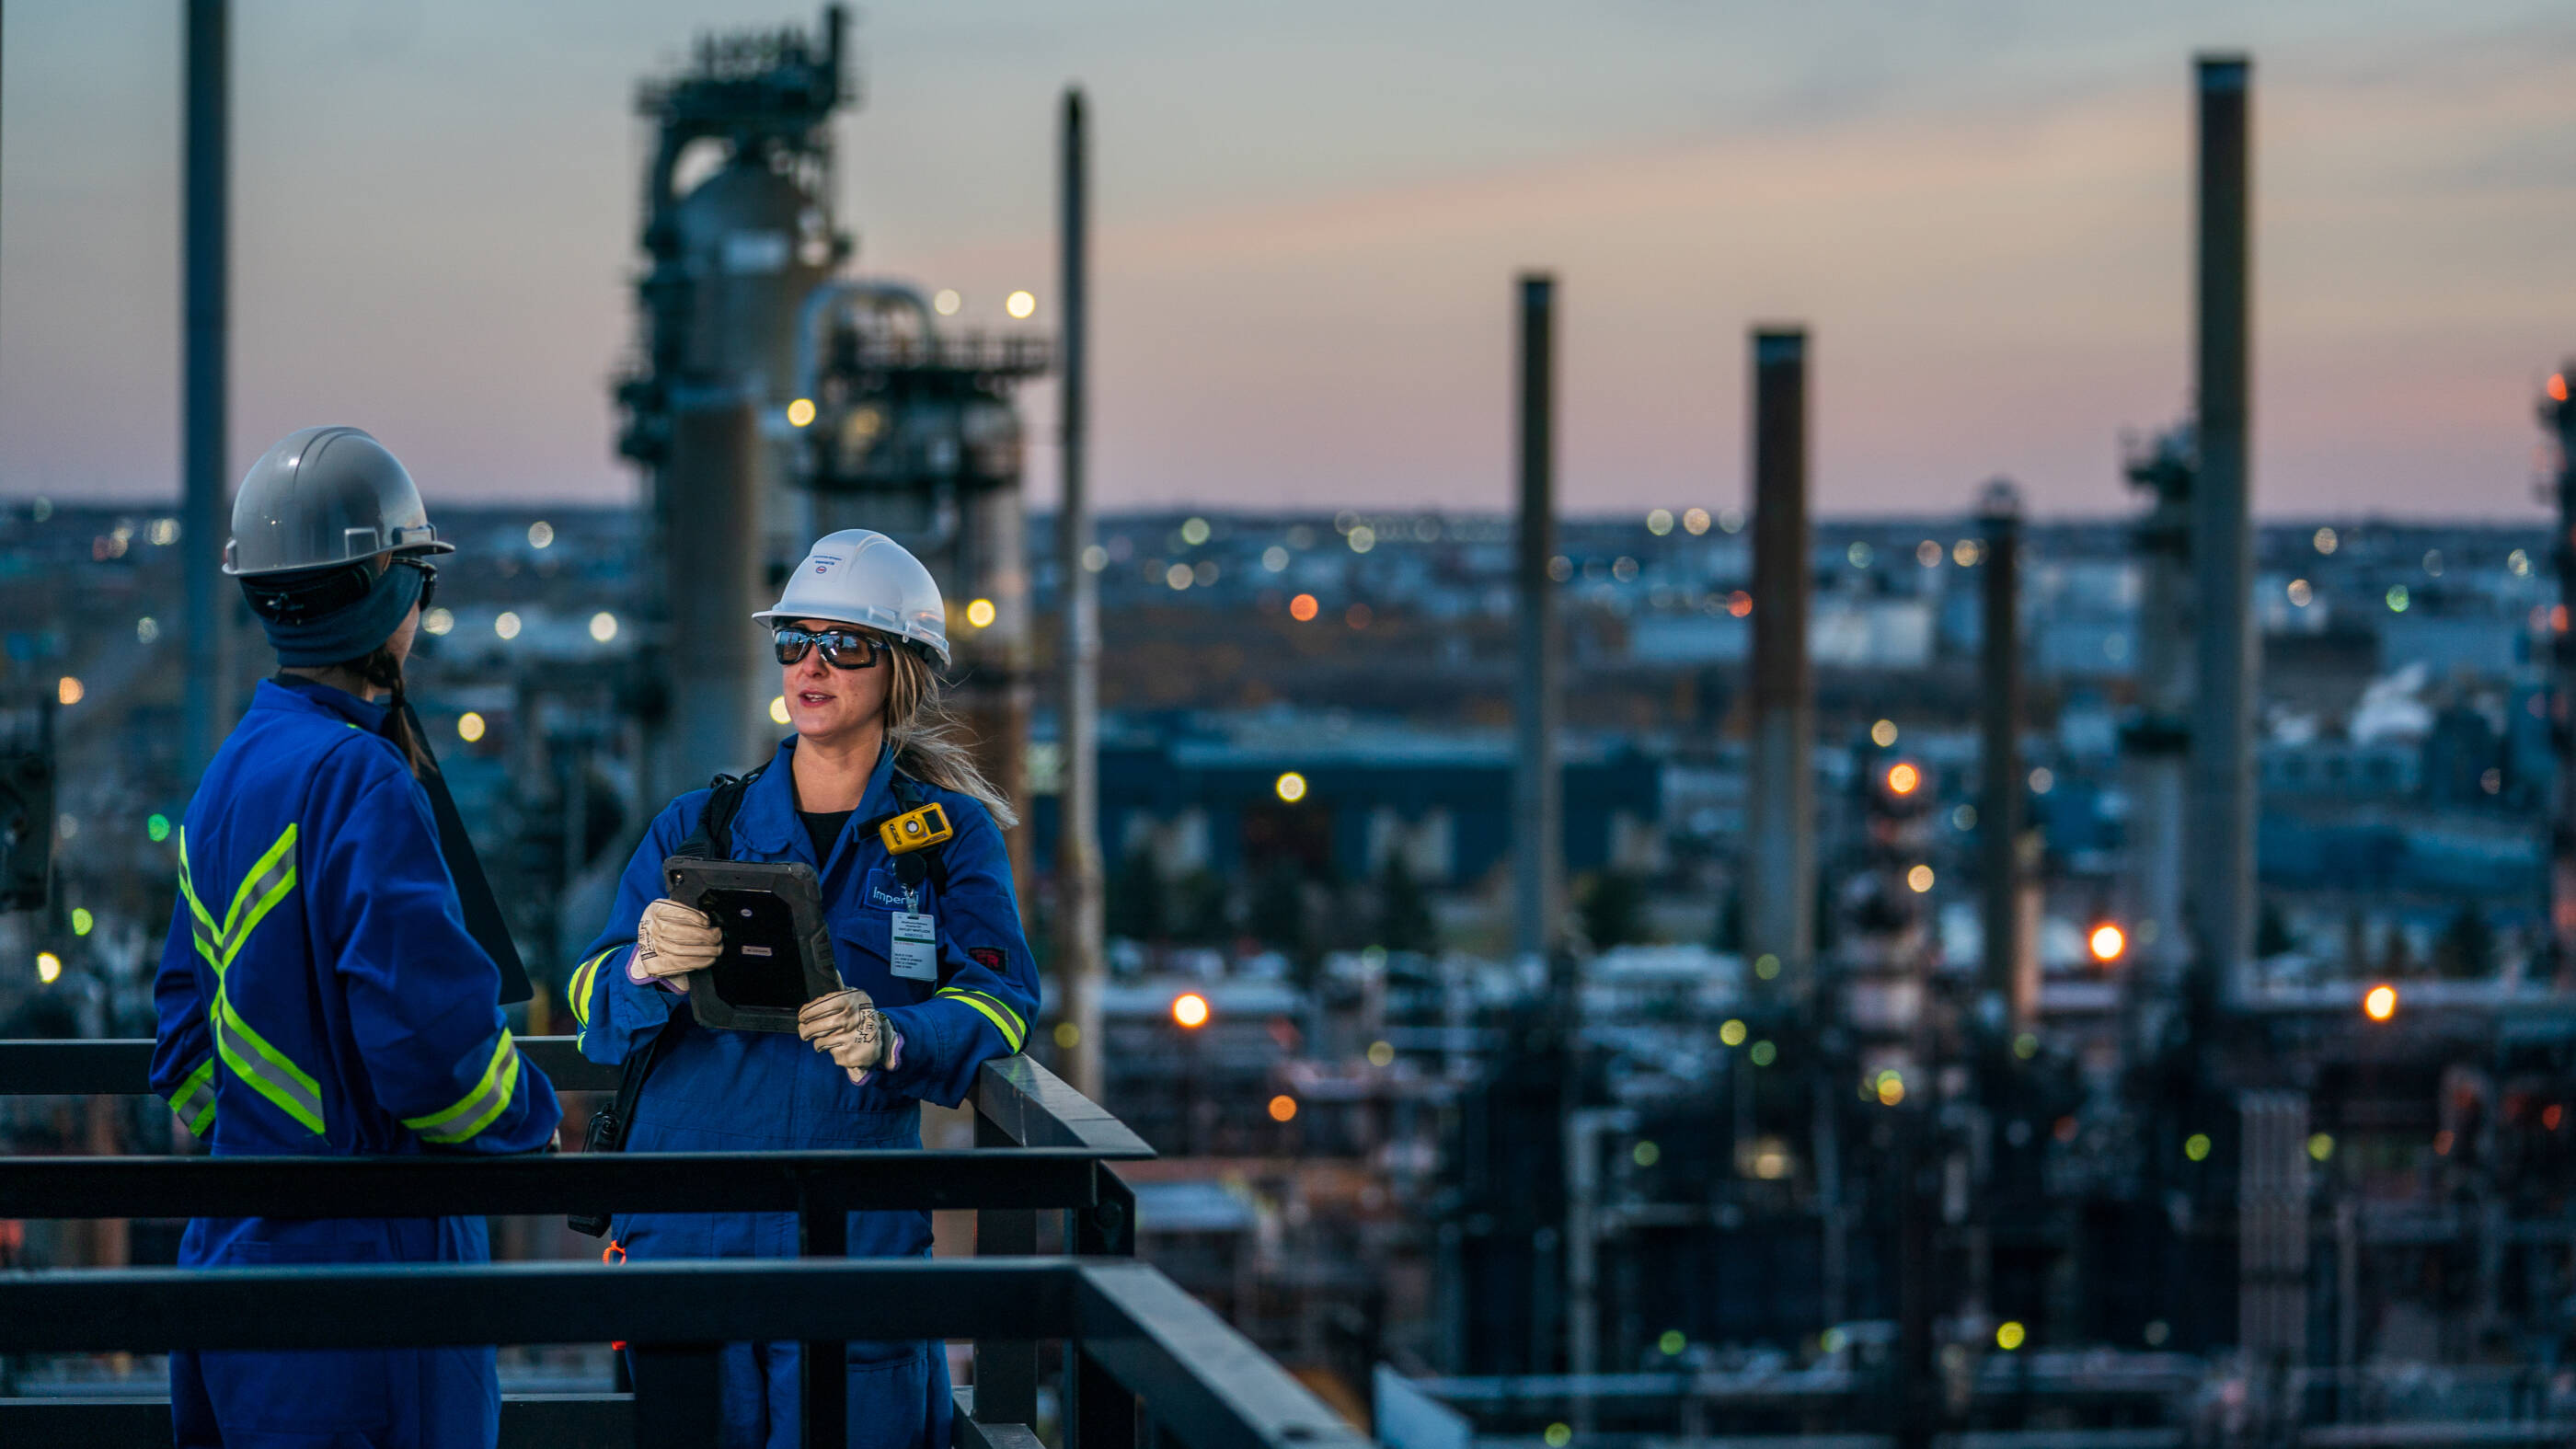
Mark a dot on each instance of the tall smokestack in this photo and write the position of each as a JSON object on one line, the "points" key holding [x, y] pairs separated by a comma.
{"points": [[1779, 871], [1537, 797], [1079, 923], [2558, 414], [2221, 880], [203, 523], [2011, 970]]}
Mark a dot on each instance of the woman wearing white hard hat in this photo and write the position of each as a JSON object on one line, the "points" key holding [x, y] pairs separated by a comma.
{"points": [[928, 941]]}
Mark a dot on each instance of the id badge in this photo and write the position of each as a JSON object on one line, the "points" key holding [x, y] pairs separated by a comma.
{"points": [[915, 953]]}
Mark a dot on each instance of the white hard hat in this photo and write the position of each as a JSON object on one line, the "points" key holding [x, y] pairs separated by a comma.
{"points": [[864, 578]]}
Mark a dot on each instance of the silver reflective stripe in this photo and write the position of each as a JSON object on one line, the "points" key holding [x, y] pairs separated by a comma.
{"points": [[264, 1067]]}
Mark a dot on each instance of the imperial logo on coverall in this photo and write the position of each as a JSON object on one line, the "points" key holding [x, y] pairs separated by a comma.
{"points": [[319, 995], [735, 1091]]}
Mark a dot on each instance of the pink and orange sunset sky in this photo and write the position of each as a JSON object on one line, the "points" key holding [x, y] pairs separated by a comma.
{"points": [[1309, 217]]}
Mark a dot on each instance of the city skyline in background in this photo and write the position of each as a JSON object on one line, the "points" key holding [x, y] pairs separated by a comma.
{"points": [[1308, 225]]}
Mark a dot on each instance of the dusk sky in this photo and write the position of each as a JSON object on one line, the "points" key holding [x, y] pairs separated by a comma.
{"points": [[1308, 221]]}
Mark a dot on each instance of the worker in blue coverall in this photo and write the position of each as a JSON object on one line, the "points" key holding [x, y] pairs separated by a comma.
{"points": [[938, 974], [319, 994]]}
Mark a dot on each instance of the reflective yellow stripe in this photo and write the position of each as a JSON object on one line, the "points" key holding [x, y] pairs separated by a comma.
{"points": [[479, 1108], [195, 1099], [1007, 1021], [585, 976], [246, 1052], [201, 926]]}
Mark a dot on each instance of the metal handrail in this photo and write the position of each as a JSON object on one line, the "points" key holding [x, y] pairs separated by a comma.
{"points": [[851, 1180], [1031, 1105], [1040, 1145], [1132, 1333]]}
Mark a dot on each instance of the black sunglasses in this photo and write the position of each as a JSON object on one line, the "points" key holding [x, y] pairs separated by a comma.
{"points": [[428, 580], [842, 648]]}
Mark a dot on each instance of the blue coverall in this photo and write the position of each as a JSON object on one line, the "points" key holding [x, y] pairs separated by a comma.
{"points": [[738, 1091], [319, 995]]}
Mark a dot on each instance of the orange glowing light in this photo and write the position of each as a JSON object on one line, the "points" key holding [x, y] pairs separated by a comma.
{"points": [[2552, 1115], [2380, 1002], [1302, 608], [2107, 943], [1282, 1107], [1190, 1009], [1902, 778], [2558, 387], [1739, 603], [2558, 618]]}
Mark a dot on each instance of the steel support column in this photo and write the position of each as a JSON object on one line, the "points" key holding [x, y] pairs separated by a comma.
{"points": [[206, 286], [1079, 925]]}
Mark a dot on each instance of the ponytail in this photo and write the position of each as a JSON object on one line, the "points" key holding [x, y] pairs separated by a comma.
{"points": [[383, 670]]}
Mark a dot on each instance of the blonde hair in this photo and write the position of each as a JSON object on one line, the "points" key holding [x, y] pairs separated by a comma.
{"points": [[930, 744]]}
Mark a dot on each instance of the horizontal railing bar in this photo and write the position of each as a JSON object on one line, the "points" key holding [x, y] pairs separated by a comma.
{"points": [[1033, 1106], [1204, 1383], [426, 1186], [438, 1304], [1036, 1108], [528, 1421], [1199, 1377], [566, 1067], [35, 1068]]}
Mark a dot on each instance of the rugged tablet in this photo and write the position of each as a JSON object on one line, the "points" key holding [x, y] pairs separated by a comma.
{"points": [[777, 951]]}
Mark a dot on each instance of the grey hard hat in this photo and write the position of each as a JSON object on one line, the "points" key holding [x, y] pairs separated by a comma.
{"points": [[325, 496]]}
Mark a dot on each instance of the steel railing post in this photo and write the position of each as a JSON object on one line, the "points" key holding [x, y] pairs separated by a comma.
{"points": [[823, 1231], [1099, 1412], [677, 1400], [1006, 1370]]}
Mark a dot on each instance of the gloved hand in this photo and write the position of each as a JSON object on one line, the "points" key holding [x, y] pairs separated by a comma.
{"points": [[672, 940], [847, 1027]]}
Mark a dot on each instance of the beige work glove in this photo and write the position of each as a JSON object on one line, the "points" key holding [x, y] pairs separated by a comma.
{"points": [[672, 940], [847, 1027]]}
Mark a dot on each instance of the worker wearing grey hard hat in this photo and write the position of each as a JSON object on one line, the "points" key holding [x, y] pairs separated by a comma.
{"points": [[320, 991], [876, 793]]}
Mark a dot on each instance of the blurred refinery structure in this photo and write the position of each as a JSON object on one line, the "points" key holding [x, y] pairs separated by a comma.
{"points": [[2082, 981]]}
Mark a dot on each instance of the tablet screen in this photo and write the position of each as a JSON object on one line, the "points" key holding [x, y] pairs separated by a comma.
{"points": [[760, 965]]}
